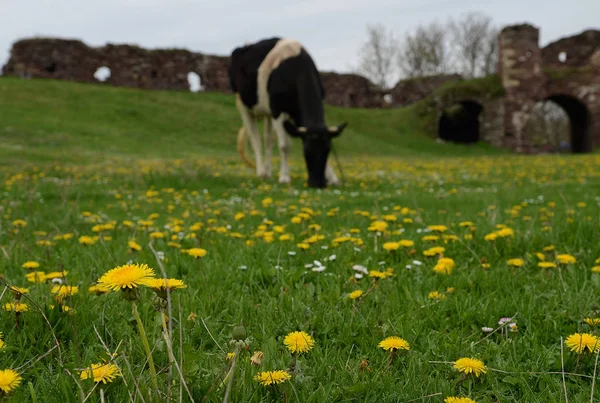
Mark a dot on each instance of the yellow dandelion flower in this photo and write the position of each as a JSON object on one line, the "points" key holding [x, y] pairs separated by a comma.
{"points": [[454, 399], [566, 259], [15, 307], [438, 228], [546, 265], [9, 380], [161, 285], [434, 251], [356, 294], [378, 226], [19, 223], [196, 252], [98, 289], [17, 292], [391, 246], [30, 265], [1, 343], [406, 243], [56, 274], [105, 373], [62, 291], [272, 377], [87, 240], [134, 246], [36, 277], [592, 321], [436, 295], [470, 366], [126, 276], [516, 262], [378, 274], [394, 343], [299, 342], [428, 238], [582, 342], [444, 265]]}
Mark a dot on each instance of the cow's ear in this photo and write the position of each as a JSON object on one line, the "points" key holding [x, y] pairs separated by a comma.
{"points": [[294, 130], [336, 131]]}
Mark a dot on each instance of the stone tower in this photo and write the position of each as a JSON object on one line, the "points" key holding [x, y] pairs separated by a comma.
{"points": [[519, 67]]}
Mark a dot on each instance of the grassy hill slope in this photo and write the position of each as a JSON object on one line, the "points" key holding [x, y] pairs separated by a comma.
{"points": [[46, 119]]}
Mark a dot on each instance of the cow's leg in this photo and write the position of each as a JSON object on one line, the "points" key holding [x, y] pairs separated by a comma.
{"points": [[284, 148], [268, 137], [254, 134], [330, 175]]}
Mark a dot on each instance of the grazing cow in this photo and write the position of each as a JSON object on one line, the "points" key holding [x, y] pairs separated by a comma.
{"points": [[276, 80]]}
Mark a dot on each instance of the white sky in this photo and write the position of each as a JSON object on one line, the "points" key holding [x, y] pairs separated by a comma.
{"points": [[331, 30]]}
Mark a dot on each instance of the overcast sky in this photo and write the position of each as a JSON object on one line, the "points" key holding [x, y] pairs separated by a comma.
{"points": [[331, 30]]}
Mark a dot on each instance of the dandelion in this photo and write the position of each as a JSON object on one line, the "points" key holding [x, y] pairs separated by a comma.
{"points": [[546, 265], [56, 274], [438, 228], [98, 289], [36, 277], [257, 358], [470, 366], [394, 343], [580, 342], [391, 246], [272, 377], [105, 373], [87, 240], [454, 399], [62, 291], [592, 321], [18, 292], [516, 262], [30, 265], [128, 276], [9, 380], [299, 342], [444, 265], [15, 307], [378, 274], [436, 296], [566, 259], [161, 285], [378, 226], [196, 252], [356, 294], [596, 269], [134, 246]]}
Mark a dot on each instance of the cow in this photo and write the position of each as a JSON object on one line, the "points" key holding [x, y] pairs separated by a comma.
{"points": [[276, 80]]}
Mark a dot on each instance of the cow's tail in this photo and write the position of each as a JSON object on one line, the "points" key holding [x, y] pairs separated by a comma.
{"points": [[241, 147]]}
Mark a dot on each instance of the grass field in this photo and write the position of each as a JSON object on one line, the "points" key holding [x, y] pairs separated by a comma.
{"points": [[87, 169]]}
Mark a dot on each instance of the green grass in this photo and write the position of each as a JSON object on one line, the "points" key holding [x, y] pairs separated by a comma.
{"points": [[81, 122], [80, 167]]}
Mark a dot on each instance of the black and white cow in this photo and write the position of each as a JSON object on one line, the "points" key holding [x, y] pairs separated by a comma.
{"points": [[276, 80]]}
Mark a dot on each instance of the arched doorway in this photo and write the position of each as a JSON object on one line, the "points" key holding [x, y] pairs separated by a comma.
{"points": [[559, 124], [459, 123]]}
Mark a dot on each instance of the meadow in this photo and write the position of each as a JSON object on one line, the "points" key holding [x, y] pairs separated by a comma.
{"points": [[436, 273]]}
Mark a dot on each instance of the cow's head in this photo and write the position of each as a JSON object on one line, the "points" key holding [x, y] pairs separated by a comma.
{"points": [[317, 144]]}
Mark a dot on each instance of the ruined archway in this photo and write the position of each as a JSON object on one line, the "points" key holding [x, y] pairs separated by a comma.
{"points": [[459, 123], [559, 123], [579, 122]]}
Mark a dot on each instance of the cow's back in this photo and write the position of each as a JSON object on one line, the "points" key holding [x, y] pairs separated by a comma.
{"points": [[243, 69]]}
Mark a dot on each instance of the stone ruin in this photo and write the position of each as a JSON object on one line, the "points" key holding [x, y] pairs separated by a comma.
{"points": [[566, 72], [160, 69], [495, 109]]}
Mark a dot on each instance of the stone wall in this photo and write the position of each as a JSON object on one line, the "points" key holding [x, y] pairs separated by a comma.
{"points": [[130, 66], [161, 69], [530, 75]]}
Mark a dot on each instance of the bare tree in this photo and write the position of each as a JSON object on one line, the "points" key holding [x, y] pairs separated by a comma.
{"points": [[475, 44], [425, 52], [377, 55]]}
